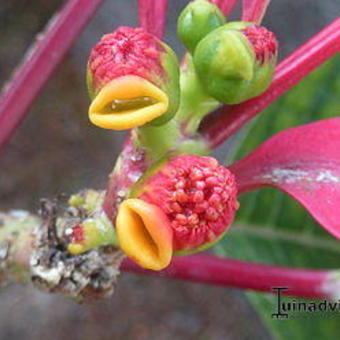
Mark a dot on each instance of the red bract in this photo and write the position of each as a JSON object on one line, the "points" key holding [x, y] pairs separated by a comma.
{"points": [[303, 162]]}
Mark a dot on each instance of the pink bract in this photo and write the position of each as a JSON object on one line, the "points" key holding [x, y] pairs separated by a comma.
{"points": [[304, 162]]}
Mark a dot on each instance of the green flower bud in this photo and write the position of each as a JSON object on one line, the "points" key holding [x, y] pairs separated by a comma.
{"points": [[236, 62], [198, 19]]}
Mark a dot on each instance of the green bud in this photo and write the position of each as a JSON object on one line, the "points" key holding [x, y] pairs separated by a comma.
{"points": [[198, 19], [236, 62]]}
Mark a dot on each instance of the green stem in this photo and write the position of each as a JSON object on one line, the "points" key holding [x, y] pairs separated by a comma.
{"points": [[195, 102], [179, 135], [168, 139], [157, 140]]}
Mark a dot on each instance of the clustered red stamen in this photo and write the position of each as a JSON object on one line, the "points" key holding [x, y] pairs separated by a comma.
{"points": [[126, 51], [198, 196], [263, 41], [77, 234]]}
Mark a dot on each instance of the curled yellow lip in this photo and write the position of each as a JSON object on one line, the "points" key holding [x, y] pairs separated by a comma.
{"points": [[127, 102], [144, 233]]}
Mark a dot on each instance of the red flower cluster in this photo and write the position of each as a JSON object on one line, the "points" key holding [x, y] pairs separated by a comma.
{"points": [[126, 51], [198, 196], [263, 41]]}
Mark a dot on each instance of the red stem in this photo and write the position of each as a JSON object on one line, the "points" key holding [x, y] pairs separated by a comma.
{"points": [[211, 269], [254, 10], [39, 63], [220, 126], [152, 15], [226, 6]]}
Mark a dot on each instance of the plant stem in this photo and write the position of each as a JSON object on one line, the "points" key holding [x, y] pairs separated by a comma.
{"points": [[40, 61], [245, 275], [152, 15], [226, 6], [220, 126], [17, 246], [34, 249], [157, 140], [195, 102], [254, 10]]}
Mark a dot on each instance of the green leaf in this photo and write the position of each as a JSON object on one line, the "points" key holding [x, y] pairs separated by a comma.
{"points": [[271, 227]]}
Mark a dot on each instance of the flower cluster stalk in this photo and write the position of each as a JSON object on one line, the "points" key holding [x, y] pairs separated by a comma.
{"points": [[244, 275]]}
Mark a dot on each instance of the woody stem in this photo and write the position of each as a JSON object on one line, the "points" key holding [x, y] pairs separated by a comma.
{"points": [[16, 249]]}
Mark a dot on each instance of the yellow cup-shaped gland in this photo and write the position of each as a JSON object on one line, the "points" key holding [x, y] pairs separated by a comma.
{"points": [[144, 234], [127, 102]]}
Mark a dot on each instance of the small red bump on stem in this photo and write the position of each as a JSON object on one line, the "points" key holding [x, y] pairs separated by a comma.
{"points": [[77, 235]]}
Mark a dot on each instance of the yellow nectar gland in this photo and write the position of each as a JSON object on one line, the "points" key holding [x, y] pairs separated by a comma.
{"points": [[144, 234], [127, 102]]}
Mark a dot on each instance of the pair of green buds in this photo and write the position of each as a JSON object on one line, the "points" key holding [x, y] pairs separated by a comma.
{"points": [[133, 77], [234, 61]]}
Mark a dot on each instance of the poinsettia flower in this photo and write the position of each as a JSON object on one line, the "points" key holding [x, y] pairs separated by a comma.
{"points": [[188, 202], [303, 161]]}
